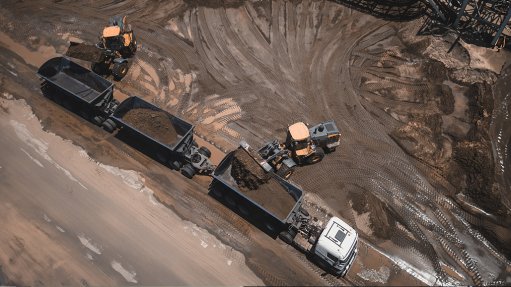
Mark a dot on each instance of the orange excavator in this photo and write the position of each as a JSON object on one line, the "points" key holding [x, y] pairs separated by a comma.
{"points": [[112, 54]]}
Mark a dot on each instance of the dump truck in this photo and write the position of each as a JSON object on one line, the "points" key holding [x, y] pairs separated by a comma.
{"points": [[276, 207], [137, 122], [303, 146]]}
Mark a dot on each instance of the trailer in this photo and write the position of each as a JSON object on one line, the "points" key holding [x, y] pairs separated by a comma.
{"points": [[224, 189], [77, 89], [333, 246], [91, 96], [180, 149]]}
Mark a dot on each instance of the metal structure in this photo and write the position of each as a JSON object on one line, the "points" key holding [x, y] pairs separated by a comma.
{"points": [[485, 22]]}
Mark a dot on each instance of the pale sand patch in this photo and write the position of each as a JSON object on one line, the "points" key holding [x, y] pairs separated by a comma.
{"points": [[33, 58], [115, 215]]}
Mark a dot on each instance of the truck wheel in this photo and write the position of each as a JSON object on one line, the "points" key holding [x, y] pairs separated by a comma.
{"points": [[98, 120], [108, 127], [188, 171], [317, 156], [205, 151], [119, 70], [176, 165], [287, 237], [285, 171], [330, 150], [111, 123]]}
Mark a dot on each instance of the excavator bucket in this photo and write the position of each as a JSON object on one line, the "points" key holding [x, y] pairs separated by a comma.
{"points": [[84, 52]]}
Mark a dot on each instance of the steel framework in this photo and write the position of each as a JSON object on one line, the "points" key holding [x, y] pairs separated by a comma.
{"points": [[484, 21]]}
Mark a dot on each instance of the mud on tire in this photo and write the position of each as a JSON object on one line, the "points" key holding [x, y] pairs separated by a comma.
{"points": [[119, 70]]}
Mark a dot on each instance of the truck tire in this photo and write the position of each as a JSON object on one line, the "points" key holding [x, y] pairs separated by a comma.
{"points": [[317, 156], [119, 70], [98, 120], [188, 171], [205, 151], [109, 125], [285, 171], [287, 237], [176, 165]]}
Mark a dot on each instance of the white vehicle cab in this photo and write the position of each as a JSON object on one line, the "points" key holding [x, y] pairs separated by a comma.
{"points": [[336, 247]]}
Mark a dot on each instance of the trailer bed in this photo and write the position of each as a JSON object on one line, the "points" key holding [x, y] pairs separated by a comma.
{"points": [[74, 79], [151, 123], [269, 207]]}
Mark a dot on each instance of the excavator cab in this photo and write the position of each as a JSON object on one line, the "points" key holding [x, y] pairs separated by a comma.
{"points": [[111, 55], [299, 142], [119, 37]]}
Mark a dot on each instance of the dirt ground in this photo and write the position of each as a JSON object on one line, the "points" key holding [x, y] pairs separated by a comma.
{"points": [[153, 123], [422, 169]]}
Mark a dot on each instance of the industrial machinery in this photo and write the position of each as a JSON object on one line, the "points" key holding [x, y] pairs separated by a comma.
{"points": [[483, 22], [112, 54], [303, 146], [332, 244], [91, 96]]}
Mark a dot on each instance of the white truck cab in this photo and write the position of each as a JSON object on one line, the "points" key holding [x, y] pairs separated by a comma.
{"points": [[336, 247]]}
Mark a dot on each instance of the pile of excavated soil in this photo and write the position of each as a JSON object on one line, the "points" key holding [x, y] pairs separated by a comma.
{"points": [[246, 171], [272, 196], [259, 186], [153, 123]]}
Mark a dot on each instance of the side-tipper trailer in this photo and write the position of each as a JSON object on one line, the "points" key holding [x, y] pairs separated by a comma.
{"points": [[181, 154], [332, 246], [91, 96]]}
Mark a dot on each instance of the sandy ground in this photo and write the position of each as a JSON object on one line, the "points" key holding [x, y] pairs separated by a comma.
{"points": [[72, 220], [411, 115]]}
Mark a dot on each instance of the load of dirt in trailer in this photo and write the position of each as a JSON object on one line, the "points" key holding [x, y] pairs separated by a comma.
{"points": [[272, 196], [155, 124], [246, 171], [259, 186]]}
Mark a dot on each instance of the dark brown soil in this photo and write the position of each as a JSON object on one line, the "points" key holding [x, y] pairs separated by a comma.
{"points": [[84, 52], [272, 196], [258, 185], [246, 171], [382, 221], [153, 123]]}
